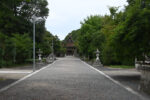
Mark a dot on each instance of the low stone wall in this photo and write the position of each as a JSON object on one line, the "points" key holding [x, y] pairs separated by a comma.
{"points": [[145, 77]]}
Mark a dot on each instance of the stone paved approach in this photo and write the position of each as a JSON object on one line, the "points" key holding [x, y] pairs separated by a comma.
{"points": [[67, 79]]}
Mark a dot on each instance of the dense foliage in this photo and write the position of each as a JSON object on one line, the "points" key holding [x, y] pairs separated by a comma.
{"points": [[16, 31], [120, 36]]}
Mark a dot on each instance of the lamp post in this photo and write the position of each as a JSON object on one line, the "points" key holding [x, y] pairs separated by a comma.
{"points": [[53, 49], [34, 18]]}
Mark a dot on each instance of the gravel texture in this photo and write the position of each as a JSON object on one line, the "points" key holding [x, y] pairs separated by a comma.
{"points": [[68, 79]]}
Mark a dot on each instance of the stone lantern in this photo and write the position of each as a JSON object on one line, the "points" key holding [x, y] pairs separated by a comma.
{"points": [[97, 55], [97, 62], [40, 55]]}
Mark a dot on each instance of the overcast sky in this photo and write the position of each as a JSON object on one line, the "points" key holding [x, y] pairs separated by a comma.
{"points": [[66, 15]]}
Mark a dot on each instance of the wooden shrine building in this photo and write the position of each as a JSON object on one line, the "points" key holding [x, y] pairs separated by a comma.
{"points": [[70, 47]]}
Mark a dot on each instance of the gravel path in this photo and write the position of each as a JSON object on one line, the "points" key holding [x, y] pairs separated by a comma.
{"points": [[68, 79], [10, 75]]}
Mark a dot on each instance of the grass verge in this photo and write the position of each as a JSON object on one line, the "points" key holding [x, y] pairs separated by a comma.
{"points": [[121, 66]]}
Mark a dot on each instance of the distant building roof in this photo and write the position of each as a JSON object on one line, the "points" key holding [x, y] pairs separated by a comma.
{"points": [[69, 42]]}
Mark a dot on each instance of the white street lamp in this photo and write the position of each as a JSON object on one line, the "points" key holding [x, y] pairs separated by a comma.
{"points": [[53, 49], [34, 19]]}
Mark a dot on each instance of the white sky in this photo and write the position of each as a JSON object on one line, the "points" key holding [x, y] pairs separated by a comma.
{"points": [[66, 15]]}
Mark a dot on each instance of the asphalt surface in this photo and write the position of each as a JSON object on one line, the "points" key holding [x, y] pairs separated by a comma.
{"points": [[68, 79]]}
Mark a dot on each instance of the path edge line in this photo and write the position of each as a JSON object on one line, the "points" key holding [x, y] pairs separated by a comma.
{"points": [[116, 82], [25, 77]]}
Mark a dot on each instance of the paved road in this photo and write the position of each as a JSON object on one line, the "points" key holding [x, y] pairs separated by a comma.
{"points": [[68, 79]]}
